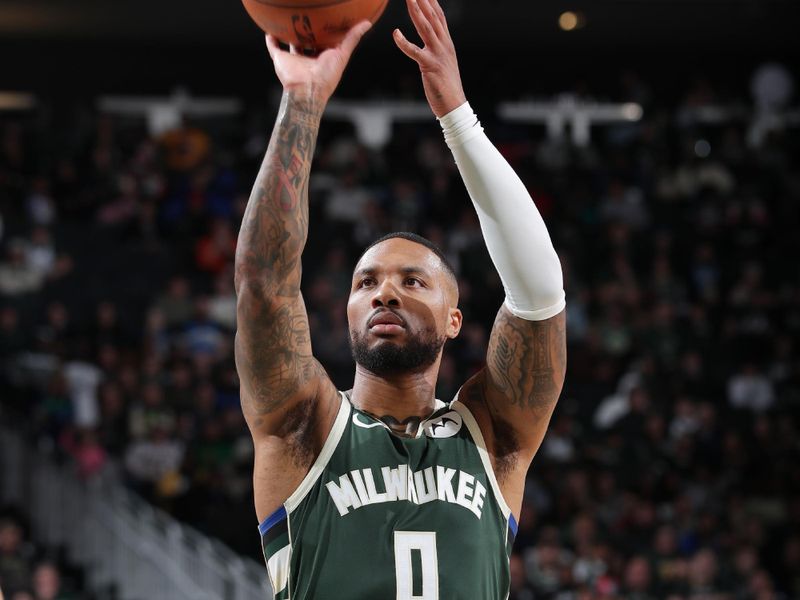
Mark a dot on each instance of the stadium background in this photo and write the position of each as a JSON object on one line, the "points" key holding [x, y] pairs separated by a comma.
{"points": [[671, 465]]}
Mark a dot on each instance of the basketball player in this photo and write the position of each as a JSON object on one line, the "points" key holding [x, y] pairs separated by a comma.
{"points": [[385, 492]]}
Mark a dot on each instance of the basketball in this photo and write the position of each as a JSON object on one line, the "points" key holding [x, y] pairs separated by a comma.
{"points": [[312, 24]]}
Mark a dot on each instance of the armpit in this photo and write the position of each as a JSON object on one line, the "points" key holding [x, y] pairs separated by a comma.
{"points": [[298, 429], [499, 434]]}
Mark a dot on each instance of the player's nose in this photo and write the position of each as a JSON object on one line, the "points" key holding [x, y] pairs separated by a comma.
{"points": [[385, 295]]}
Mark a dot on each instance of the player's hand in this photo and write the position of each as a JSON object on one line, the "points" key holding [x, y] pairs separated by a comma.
{"points": [[314, 77], [436, 59]]}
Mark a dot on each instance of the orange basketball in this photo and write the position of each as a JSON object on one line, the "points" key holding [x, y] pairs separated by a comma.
{"points": [[313, 24]]}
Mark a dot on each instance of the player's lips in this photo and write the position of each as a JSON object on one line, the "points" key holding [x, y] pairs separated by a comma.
{"points": [[385, 322]]}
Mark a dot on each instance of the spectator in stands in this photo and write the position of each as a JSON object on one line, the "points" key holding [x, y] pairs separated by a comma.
{"points": [[751, 390], [222, 305], [114, 418], [85, 449], [153, 463], [788, 577], [15, 557], [55, 335], [669, 567], [47, 583], [151, 412], [347, 202], [40, 252], [203, 339], [39, 204], [215, 250], [638, 579], [108, 329], [702, 575], [12, 338], [548, 564], [83, 378], [17, 275], [520, 590], [175, 304]]}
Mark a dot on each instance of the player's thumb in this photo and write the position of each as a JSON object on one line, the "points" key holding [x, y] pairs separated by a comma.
{"points": [[354, 36], [406, 47]]}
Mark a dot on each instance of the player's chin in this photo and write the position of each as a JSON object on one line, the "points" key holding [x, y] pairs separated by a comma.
{"points": [[378, 341]]}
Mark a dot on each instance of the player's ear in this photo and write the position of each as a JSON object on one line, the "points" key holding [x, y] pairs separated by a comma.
{"points": [[455, 318]]}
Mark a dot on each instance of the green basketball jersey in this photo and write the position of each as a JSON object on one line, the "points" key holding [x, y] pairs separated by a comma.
{"points": [[380, 517]]}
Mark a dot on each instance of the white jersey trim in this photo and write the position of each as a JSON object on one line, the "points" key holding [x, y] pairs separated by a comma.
{"points": [[477, 436], [278, 567], [291, 546], [339, 425]]}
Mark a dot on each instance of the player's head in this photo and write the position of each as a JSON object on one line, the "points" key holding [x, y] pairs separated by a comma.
{"points": [[403, 305]]}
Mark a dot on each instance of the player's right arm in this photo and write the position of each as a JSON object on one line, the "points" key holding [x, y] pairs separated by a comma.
{"points": [[287, 399], [273, 346]]}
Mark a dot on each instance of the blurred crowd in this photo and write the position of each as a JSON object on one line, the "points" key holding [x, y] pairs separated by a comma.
{"points": [[671, 467], [29, 572]]}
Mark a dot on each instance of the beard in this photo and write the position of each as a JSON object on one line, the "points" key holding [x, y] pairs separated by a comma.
{"points": [[388, 358]]}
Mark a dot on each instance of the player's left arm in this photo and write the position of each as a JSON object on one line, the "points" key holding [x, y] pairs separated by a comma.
{"points": [[514, 396]]}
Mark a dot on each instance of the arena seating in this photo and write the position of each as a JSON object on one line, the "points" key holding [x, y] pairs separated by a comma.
{"points": [[671, 467]]}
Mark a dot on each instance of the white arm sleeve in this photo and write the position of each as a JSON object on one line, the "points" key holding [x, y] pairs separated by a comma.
{"points": [[515, 233]]}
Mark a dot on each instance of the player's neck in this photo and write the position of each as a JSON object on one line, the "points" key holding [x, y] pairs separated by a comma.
{"points": [[410, 395]]}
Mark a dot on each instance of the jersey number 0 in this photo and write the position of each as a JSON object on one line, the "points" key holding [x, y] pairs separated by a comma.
{"points": [[415, 559]]}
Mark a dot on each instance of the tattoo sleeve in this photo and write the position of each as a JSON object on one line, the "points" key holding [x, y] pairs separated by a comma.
{"points": [[526, 362], [273, 345]]}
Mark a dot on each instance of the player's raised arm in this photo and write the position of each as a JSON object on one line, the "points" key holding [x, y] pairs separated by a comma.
{"points": [[514, 396], [273, 346]]}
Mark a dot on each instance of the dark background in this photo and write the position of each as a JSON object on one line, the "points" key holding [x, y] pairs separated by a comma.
{"points": [[68, 48]]}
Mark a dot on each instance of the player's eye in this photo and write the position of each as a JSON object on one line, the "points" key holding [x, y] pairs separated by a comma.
{"points": [[413, 281], [366, 282]]}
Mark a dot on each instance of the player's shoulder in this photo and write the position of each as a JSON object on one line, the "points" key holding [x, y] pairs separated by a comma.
{"points": [[472, 395]]}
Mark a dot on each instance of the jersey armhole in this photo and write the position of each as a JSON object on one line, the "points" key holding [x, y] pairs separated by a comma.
{"points": [[477, 436], [335, 435]]}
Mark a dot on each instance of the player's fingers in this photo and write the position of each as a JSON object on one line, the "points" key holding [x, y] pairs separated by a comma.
{"points": [[350, 41], [421, 22], [412, 51], [432, 18], [272, 45], [437, 8]]}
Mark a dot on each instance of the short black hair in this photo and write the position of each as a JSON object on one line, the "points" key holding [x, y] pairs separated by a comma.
{"points": [[417, 239]]}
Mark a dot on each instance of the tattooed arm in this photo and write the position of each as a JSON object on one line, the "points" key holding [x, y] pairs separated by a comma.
{"points": [[287, 399], [273, 346], [525, 367]]}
